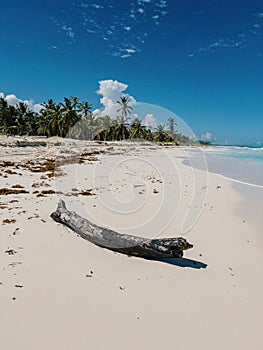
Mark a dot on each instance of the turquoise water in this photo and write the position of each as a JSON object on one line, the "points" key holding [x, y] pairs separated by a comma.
{"points": [[242, 164]]}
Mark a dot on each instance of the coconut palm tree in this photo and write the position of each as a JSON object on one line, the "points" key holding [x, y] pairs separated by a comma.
{"points": [[171, 130], [148, 135], [86, 128], [4, 115], [74, 102], [70, 114], [32, 123], [85, 108], [21, 115], [50, 119], [137, 130], [125, 109], [104, 124], [120, 131], [160, 133]]}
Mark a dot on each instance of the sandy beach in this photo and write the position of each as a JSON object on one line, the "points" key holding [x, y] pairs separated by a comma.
{"points": [[59, 291]]}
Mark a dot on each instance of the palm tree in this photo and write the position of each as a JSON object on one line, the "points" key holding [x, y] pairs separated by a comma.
{"points": [[104, 127], [21, 117], [171, 124], [74, 102], [11, 120], [119, 132], [85, 108], [50, 119], [121, 129], [86, 128], [148, 135], [137, 130], [4, 114], [70, 114], [160, 133], [125, 108], [182, 139], [32, 123]]}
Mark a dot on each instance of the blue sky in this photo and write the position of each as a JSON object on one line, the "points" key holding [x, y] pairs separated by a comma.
{"points": [[200, 59]]}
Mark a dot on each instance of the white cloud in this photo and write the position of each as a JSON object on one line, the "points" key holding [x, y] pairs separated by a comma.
{"points": [[125, 56], [36, 107], [134, 116], [12, 100], [138, 15], [111, 91], [69, 31], [224, 43], [96, 6], [149, 121], [90, 31], [130, 50], [161, 4], [207, 136]]}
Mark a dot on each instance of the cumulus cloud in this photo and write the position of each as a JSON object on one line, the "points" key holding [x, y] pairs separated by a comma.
{"points": [[111, 91], [207, 136], [149, 121], [36, 107], [13, 100]]}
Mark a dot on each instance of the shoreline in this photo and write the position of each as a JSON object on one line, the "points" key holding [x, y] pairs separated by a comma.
{"points": [[231, 164], [251, 204]]}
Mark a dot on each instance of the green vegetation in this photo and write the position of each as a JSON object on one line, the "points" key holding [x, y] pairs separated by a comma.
{"points": [[205, 143], [75, 119]]}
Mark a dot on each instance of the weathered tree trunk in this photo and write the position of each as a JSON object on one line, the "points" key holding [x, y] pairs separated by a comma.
{"points": [[122, 243]]}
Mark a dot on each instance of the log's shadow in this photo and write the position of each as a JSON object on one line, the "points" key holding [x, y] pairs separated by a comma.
{"points": [[183, 262]]}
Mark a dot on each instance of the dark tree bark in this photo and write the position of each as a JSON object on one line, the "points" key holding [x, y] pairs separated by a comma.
{"points": [[122, 243]]}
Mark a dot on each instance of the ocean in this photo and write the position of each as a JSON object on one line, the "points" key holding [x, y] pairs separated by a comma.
{"points": [[241, 164]]}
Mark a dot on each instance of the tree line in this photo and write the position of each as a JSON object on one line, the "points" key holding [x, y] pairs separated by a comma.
{"points": [[75, 119]]}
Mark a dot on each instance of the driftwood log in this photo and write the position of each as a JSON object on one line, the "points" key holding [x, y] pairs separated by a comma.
{"points": [[122, 243]]}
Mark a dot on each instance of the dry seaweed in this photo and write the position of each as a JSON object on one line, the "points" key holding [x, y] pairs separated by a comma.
{"points": [[86, 193], [9, 221], [6, 191], [48, 192]]}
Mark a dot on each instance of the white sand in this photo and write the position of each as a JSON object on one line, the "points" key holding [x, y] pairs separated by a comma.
{"points": [[129, 302]]}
